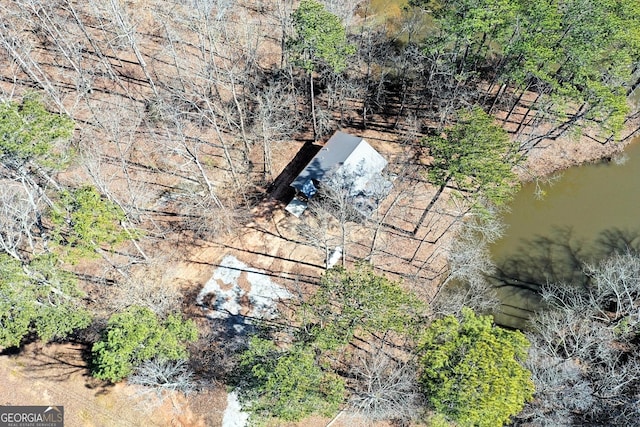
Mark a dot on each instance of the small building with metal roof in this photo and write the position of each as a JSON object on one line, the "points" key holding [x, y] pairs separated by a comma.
{"points": [[352, 161]]}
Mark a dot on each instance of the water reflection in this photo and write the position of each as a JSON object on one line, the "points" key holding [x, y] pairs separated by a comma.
{"points": [[591, 213], [555, 258]]}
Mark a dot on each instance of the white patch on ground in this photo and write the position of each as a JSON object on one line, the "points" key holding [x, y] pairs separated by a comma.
{"points": [[225, 302], [263, 295], [233, 415], [335, 257]]}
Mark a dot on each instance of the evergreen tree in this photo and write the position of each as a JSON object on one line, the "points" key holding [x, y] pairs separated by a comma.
{"points": [[28, 132], [299, 378], [358, 301], [472, 372], [477, 155], [288, 384], [320, 40], [137, 335], [39, 298], [84, 222]]}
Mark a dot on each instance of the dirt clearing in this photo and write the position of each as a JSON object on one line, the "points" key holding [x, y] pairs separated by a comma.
{"points": [[57, 374]]}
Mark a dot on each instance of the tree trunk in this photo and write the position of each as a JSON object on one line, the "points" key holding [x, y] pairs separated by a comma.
{"points": [[313, 107], [501, 91], [515, 105], [431, 203], [524, 118]]}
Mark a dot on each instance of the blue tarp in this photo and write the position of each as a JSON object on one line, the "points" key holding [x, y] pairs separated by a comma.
{"points": [[309, 189]]}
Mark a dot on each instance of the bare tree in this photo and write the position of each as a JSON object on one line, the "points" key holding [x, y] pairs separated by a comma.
{"points": [[146, 287], [385, 388], [127, 31], [342, 205], [616, 286], [20, 218], [561, 389], [162, 379], [318, 229], [275, 119], [343, 9], [584, 348], [22, 51], [470, 265]]}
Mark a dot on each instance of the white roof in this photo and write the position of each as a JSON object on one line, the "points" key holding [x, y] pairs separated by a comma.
{"points": [[345, 154]]}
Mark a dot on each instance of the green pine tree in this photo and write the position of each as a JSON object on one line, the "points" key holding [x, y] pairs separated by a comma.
{"points": [[472, 370], [136, 335]]}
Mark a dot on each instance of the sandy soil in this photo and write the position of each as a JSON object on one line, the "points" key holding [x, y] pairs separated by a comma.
{"points": [[57, 374]]}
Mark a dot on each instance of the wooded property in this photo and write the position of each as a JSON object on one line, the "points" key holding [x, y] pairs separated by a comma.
{"points": [[149, 154]]}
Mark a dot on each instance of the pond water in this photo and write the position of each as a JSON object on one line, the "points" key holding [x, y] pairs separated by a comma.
{"points": [[590, 212], [388, 8]]}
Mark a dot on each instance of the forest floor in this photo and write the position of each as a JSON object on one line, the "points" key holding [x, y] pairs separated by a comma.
{"points": [[57, 373], [413, 245], [553, 155]]}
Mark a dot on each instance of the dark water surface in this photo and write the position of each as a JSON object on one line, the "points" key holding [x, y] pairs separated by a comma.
{"points": [[590, 212]]}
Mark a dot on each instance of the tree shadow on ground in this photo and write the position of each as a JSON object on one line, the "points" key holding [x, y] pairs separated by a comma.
{"points": [[215, 356], [53, 361], [556, 258], [61, 360]]}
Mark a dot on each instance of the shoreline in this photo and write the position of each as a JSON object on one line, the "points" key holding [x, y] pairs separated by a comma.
{"points": [[562, 154], [555, 156]]}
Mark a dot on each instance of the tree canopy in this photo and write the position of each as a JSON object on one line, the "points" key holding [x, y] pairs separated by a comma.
{"points": [[290, 380], [319, 37], [84, 221], [38, 297], [472, 370], [288, 384], [358, 301], [580, 51], [28, 131], [584, 352], [477, 155], [184, 117], [575, 54], [136, 335]]}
